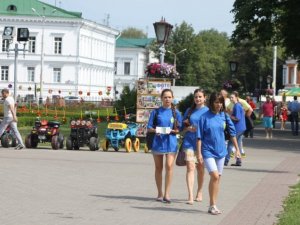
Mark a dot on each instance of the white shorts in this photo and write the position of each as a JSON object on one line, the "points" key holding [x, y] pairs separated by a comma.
{"points": [[213, 165]]}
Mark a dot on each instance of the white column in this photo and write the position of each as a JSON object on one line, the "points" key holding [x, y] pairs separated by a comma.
{"points": [[287, 75], [295, 75]]}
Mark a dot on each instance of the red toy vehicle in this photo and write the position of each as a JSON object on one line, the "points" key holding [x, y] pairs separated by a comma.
{"points": [[45, 131]]}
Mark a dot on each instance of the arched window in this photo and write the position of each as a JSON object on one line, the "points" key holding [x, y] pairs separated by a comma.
{"points": [[12, 8]]}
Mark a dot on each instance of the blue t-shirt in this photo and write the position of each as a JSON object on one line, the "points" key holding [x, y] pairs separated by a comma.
{"points": [[190, 138], [239, 113], [164, 143], [211, 133]]}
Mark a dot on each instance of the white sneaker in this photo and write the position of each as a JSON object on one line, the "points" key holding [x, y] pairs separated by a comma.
{"points": [[19, 147]]}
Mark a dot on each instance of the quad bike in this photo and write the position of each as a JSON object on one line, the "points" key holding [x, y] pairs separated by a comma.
{"points": [[45, 131], [121, 134], [8, 138], [83, 132]]}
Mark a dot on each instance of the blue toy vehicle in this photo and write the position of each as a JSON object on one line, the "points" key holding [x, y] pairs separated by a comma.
{"points": [[121, 135]]}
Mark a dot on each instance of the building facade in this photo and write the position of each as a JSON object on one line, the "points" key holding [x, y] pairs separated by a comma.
{"points": [[290, 74], [132, 57], [65, 55]]}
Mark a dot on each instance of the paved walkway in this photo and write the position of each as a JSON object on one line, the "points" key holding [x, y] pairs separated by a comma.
{"points": [[41, 187]]}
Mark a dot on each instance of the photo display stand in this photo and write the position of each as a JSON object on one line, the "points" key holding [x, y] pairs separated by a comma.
{"points": [[148, 99]]}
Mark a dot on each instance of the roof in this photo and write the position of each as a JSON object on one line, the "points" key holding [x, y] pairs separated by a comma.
{"points": [[134, 42], [24, 8]]}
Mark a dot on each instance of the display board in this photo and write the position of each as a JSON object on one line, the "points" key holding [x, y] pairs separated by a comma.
{"points": [[148, 98]]}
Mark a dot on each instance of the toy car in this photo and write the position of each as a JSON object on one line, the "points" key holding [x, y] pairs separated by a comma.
{"points": [[121, 134], [83, 132], [45, 131], [8, 138]]}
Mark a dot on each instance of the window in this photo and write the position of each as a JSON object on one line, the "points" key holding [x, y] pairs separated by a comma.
{"points": [[5, 45], [116, 66], [57, 75], [4, 73], [31, 73], [31, 45], [12, 8], [57, 45], [127, 68]]}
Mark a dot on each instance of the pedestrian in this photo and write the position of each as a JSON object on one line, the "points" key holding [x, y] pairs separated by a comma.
{"points": [[283, 115], [250, 120], [267, 112], [10, 117], [211, 144], [294, 108], [190, 123], [248, 112], [165, 122], [238, 118]]}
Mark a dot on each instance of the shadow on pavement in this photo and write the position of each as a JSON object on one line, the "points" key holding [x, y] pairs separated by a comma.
{"points": [[255, 170]]}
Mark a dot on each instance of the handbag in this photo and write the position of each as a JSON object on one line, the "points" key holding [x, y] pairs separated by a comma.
{"points": [[226, 130], [180, 160]]}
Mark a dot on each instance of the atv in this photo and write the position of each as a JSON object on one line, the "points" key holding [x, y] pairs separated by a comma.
{"points": [[8, 138], [121, 135], [45, 131], [83, 132]]}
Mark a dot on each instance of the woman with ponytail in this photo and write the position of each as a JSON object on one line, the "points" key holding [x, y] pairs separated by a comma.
{"points": [[165, 122], [190, 123]]}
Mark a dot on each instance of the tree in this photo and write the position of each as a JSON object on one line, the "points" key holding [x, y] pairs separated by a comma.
{"points": [[127, 100], [132, 32], [274, 22]]}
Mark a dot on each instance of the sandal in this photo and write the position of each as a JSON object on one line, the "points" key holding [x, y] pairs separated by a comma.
{"points": [[166, 200], [214, 210], [159, 199], [190, 202]]}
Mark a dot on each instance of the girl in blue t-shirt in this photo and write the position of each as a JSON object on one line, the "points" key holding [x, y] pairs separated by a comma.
{"points": [[166, 125], [211, 144], [238, 118], [190, 123]]}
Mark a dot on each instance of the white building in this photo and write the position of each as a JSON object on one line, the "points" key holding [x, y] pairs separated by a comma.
{"points": [[132, 57], [78, 57]]}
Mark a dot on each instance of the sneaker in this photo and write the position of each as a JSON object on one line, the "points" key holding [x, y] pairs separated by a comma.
{"points": [[237, 163], [226, 163], [19, 147], [214, 210]]}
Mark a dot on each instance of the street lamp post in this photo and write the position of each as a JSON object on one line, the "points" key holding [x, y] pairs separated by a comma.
{"points": [[269, 79], [162, 31], [260, 81], [233, 68], [175, 57], [42, 53]]}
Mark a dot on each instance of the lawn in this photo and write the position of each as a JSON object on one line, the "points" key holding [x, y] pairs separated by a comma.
{"points": [[291, 213]]}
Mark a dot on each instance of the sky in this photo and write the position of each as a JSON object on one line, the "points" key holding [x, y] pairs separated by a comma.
{"points": [[141, 14]]}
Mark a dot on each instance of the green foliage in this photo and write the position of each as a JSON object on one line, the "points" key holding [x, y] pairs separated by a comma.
{"points": [[132, 32], [291, 208], [269, 22], [127, 100], [184, 104]]}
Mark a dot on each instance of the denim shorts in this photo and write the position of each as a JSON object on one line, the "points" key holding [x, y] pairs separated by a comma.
{"points": [[268, 122]]}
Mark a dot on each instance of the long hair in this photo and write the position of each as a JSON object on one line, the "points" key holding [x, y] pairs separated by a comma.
{"points": [[216, 96], [172, 107]]}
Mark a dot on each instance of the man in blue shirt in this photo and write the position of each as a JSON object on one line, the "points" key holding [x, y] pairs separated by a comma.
{"points": [[294, 108]]}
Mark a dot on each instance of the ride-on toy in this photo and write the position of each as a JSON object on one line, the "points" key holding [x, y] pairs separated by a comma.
{"points": [[45, 131], [121, 134], [8, 138], [83, 132]]}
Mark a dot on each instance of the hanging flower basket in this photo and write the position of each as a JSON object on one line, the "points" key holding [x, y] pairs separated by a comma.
{"points": [[164, 70], [231, 85]]}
